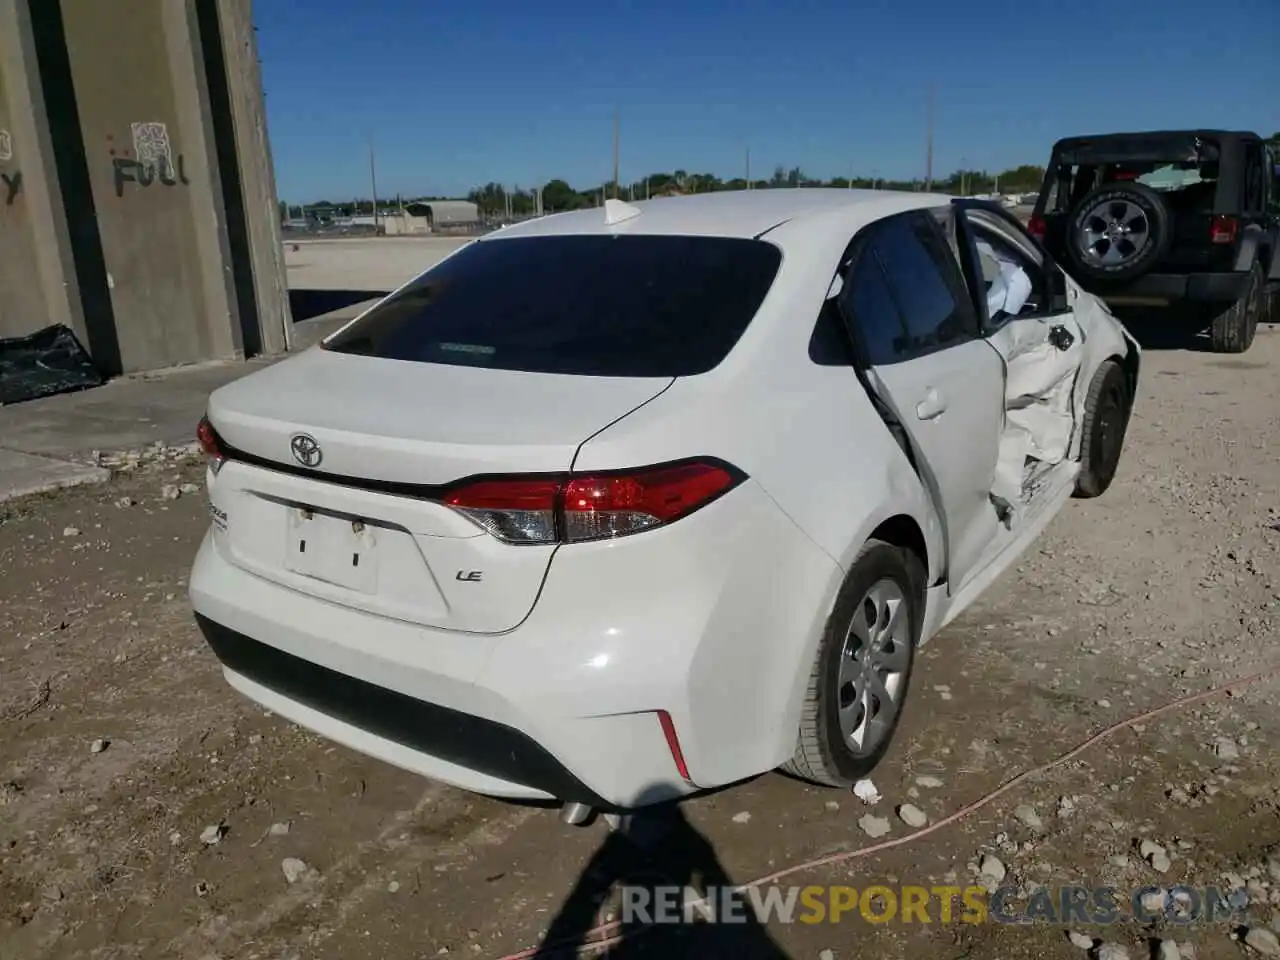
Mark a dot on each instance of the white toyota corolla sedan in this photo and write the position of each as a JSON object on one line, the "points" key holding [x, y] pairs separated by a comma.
{"points": [[621, 504]]}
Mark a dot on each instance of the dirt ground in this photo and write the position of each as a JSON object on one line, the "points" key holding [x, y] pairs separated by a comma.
{"points": [[1168, 585]]}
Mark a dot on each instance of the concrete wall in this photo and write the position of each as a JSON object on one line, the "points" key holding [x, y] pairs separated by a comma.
{"points": [[155, 192], [245, 151], [152, 188], [23, 308], [35, 289]]}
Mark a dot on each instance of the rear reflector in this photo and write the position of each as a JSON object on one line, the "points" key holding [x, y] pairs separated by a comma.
{"points": [[575, 508], [1224, 229], [1035, 227], [673, 744]]}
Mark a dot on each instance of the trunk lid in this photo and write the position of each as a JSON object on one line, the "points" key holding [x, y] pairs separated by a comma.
{"points": [[359, 526]]}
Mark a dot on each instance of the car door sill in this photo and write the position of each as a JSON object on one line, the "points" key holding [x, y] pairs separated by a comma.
{"points": [[1053, 490]]}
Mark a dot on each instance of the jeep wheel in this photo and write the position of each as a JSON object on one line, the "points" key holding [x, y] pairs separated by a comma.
{"points": [[1233, 329], [1118, 231]]}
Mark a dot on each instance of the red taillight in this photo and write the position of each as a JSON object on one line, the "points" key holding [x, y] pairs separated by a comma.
{"points": [[611, 506], [515, 510], [210, 442], [1036, 227], [590, 506], [1224, 229]]}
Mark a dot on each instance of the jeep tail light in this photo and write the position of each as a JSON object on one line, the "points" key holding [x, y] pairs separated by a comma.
{"points": [[578, 507], [1035, 227], [1224, 229], [211, 444]]}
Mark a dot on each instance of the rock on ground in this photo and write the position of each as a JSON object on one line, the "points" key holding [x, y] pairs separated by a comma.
{"points": [[992, 867], [874, 827], [1081, 940], [1026, 814], [294, 869], [912, 816], [1264, 941]]}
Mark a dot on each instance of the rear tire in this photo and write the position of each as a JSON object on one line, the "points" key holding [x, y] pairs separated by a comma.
{"points": [[1233, 330], [1106, 419], [886, 583]]}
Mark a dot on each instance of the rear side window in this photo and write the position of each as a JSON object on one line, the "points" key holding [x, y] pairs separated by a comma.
{"points": [[914, 259], [875, 312], [905, 293], [594, 305]]}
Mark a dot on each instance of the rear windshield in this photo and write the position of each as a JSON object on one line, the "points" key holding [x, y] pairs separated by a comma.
{"points": [[597, 305], [1188, 175]]}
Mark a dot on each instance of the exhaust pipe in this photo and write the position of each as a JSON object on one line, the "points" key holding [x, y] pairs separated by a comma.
{"points": [[575, 814]]}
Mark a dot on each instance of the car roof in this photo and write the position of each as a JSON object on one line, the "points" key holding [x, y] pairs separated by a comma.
{"points": [[1157, 135], [728, 213]]}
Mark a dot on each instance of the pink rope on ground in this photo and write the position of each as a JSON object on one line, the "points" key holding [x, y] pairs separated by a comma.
{"points": [[604, 934]]}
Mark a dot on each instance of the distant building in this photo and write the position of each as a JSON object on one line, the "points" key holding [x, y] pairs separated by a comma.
{"points": [[427, 216]]}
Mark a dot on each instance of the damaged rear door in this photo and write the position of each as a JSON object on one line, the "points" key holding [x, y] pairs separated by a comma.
{"points": [[925, 362]]}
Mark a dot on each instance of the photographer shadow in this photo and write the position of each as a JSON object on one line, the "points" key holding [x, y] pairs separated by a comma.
{"points": [[651, 851]]}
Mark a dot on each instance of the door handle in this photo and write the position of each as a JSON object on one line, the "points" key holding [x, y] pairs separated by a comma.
{"points": [[932, 406]]}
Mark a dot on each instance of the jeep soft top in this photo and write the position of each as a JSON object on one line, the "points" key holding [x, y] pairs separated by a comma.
{"points": [[1168, 216]]}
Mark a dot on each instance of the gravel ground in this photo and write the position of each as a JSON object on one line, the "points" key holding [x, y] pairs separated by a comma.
{"points": [[121, 747]]}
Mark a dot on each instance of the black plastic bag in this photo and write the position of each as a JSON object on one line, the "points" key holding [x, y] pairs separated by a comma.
{"points": [[43, 363]]}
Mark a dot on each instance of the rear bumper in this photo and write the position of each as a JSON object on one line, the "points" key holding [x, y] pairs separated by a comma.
{"points": [[1171, 287], [489, 750], [713, 621]]}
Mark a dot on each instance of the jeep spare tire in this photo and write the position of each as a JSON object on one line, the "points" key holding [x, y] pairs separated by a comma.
{"points": [[1118, 231]]}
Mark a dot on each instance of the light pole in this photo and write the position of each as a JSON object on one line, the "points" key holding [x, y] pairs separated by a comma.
{"points": [[928, 156], [373, 183], [616, 122]]}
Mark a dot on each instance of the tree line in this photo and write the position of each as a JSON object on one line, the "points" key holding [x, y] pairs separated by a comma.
{"points": [[495, 199]]}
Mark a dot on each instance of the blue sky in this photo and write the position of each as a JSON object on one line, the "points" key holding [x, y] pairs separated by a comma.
{"points": [[456, 94]]}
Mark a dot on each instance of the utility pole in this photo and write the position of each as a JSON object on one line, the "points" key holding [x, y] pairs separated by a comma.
{"points": [[748, 168], [373, 183], [928, 158], [616, 122]]}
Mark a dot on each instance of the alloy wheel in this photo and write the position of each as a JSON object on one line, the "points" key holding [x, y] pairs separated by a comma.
{"points": [[873, 668]]}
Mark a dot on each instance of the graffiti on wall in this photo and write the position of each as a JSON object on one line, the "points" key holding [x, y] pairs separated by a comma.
{"points": [[10, 180], [152, 161]]}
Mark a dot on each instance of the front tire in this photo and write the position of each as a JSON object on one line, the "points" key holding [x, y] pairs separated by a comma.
{"points": [[862, 670], [1233, 330], [1106, 419]]}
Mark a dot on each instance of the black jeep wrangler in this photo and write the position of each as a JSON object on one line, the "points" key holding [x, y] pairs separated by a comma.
{"points": [[1181, 217]]}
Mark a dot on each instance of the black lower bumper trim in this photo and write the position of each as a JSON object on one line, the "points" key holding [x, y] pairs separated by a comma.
{"points": [[468, 741], [1198, 287]]}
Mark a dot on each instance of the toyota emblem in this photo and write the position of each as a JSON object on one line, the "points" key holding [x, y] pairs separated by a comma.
{"points": [[305, 450]]}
